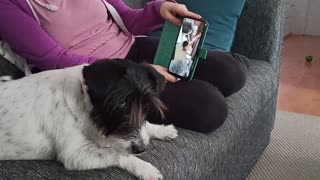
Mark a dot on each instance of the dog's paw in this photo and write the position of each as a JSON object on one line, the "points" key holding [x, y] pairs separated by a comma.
{"points": [[149, 172], [167, 133], [139, 168], [5, 78]]}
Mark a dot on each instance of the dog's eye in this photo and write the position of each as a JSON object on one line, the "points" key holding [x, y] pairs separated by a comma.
{"points": [[133, 137], [123, 105]]}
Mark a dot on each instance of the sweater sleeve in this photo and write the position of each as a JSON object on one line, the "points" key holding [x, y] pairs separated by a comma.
{"points": [[27, 38], [140, 21]]}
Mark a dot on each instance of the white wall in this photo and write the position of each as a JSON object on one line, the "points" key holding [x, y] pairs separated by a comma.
{"points": [[302, 17], [313, 25]]}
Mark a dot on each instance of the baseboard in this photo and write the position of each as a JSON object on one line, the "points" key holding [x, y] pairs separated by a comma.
{"points": [[287, 35]]}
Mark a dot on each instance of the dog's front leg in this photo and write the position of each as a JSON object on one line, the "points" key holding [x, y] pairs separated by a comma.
{"points": [[139, 167], [161, 132], [78, 153]]}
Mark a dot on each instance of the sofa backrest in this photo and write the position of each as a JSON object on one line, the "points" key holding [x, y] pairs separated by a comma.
{"points": [[260, 31]]}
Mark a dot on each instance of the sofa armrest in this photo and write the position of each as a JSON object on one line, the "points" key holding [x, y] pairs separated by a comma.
{"points": [[260, 31]]}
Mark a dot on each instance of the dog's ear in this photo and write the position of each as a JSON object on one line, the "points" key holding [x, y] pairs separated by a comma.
{"points": [[157, 112], [100, 78], [100, 75], [158, 81]]}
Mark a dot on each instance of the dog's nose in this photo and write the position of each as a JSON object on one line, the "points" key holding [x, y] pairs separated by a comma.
{"points": [[137, 149]]}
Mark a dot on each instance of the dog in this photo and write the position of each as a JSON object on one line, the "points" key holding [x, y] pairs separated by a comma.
{"points": [[87, 117]]}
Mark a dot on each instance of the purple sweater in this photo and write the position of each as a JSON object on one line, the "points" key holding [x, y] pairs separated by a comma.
{"points": [[20, 29]]}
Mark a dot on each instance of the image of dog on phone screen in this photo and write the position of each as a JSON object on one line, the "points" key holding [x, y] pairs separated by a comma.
{"points": [[186, 47]]}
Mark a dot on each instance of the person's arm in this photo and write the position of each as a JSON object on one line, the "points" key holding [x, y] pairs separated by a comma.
{"points": [[26, 37], [152, 16], [140, 21]]}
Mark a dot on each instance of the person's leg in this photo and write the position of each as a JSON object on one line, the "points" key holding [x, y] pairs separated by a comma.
{"points": [[200, 104], [226, 71], [144, 49], [195, 105]]}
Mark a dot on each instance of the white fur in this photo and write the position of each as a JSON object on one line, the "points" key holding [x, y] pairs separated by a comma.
{"points": [[46, 116], [160, 132], [5, 78]]}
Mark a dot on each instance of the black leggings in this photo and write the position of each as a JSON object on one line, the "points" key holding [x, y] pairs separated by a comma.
{"points": [[198, 104]]}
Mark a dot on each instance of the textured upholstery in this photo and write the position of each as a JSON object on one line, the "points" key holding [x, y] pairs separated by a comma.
{"points": [[231, 151]]}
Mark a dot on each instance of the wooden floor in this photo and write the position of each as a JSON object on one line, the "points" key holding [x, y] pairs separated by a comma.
{"points": [[300, 81]]}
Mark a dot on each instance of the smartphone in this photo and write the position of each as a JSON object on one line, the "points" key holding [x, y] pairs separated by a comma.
{"points": [[185, 57]]}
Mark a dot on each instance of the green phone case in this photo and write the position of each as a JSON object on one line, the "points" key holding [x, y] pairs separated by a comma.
{"points": [[167, 44]]}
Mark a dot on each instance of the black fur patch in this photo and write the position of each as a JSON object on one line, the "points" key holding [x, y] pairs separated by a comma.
{"points": [[123, 92]]}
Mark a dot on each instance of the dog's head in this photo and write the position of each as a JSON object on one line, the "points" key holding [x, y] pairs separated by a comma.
{"points": [[123, 94]]}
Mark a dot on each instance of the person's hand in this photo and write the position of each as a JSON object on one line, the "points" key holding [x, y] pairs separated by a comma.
{"points": [[164, 72], [170, 10]]}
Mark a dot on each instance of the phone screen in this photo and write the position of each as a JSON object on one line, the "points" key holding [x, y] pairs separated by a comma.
{"points": [[184, 55]]}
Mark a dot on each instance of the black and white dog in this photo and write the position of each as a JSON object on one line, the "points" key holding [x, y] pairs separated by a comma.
{"points": [[87, 117]]}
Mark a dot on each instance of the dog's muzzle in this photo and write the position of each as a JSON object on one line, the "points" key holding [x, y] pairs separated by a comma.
{"points": [[138, 148]]}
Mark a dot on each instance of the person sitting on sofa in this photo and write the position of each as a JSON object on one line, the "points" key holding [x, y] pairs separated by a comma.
{"points": [[63, 33]]}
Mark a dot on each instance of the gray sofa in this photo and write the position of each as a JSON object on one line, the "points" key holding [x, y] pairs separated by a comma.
{"points": [[228, 153]]}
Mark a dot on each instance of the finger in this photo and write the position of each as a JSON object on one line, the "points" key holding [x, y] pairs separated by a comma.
{"points": [[183, 11], [192, 15], [170, 78], [162, 68], [173, 19], [159, 68]]}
